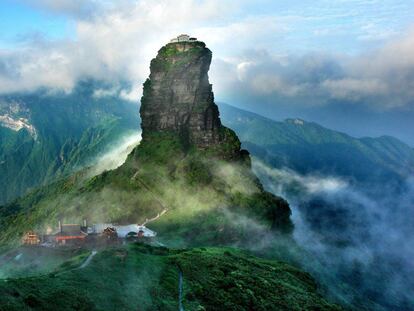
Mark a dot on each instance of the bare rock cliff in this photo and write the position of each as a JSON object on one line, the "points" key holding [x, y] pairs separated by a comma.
{"points": [[178, 98]]}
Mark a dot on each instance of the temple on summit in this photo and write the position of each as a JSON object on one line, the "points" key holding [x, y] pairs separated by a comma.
{"points": [[183, 38]]}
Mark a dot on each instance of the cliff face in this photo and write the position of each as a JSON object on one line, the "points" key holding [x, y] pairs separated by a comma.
{"points": [[183, 139], [187, 164], [178, 98]]}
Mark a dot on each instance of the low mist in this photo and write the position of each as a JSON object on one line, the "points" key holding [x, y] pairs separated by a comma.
{"points": [[116, 155], [363, 243], [357, 242]]}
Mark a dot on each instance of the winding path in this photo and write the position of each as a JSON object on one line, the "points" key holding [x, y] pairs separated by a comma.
{"points": [[147, 221], [165, 209], [88, 260]]}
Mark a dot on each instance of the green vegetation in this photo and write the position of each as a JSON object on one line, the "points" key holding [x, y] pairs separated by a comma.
{"points": [[198, 173], [199, 191], [205, 196], [11, 141], [72, 130], [187, 49], [146, 278], [34, 261], [181, 53], [158, 149], [226, 149]]}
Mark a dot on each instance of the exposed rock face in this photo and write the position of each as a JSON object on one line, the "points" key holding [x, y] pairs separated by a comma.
{"points": [[17, 124], [182, 137], [178, 98], [15, 116]]}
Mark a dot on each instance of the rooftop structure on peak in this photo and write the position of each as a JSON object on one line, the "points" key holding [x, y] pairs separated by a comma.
{"points": [[183, 38]]}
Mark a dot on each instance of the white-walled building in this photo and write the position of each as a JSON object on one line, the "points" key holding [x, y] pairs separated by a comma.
{"points": [[123, 231], [183, 38]]}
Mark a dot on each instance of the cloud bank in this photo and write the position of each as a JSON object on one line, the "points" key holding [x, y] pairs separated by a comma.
{"points": [[116, 40], [362, 242], [383, 78], [338, 66]]}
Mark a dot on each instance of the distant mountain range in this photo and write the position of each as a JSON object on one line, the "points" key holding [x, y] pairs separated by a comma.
{"points": [[46, 135], [352, 198], [189, 176], [308, 147]]}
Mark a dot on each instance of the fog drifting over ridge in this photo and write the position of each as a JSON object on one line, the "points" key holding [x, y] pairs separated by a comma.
{"points": [[362, 239], [116, 155]]}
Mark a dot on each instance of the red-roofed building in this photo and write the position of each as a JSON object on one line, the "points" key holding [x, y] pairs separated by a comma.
{"points": [[70, 233]]}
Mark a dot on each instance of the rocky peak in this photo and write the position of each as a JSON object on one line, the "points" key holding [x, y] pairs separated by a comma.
{"points": [[178, 98]]}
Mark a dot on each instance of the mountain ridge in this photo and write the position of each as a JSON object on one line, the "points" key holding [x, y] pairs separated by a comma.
{"points": [[225, 106], [171, 162], [70, 153], [312, 148], [71, 131]]}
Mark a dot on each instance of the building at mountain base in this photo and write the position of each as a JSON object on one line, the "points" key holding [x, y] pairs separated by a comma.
{"points": [[31, 238], [79, 235], [70, 234]]}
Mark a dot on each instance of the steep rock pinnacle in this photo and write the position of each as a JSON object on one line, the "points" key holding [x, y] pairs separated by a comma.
{"points": [[178, 98]]}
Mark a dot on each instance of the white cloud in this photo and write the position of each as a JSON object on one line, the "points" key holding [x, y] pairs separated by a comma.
{"points": [[382, 78], [372, 225], [349, 88], [116, 155], [115, 41], [270, 83], [115, 45], [312, 184]]}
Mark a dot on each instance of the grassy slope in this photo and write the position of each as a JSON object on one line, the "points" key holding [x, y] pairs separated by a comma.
{"points": [[198, 191], [209, 203], [32, 261], [146, 278]]}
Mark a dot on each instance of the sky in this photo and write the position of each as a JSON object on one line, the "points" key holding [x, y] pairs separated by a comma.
{"points": [[348, 65]]}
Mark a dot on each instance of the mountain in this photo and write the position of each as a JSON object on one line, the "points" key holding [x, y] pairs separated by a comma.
{"points": [[350, 198], [307, 147], [46, 135], [192, 168], [190, 181], [187, 165], [178, 101]]}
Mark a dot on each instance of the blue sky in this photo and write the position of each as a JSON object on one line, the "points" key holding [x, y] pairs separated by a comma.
{"points": [[19, 20], [347, 64], [338, 25], [349, 25]]}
